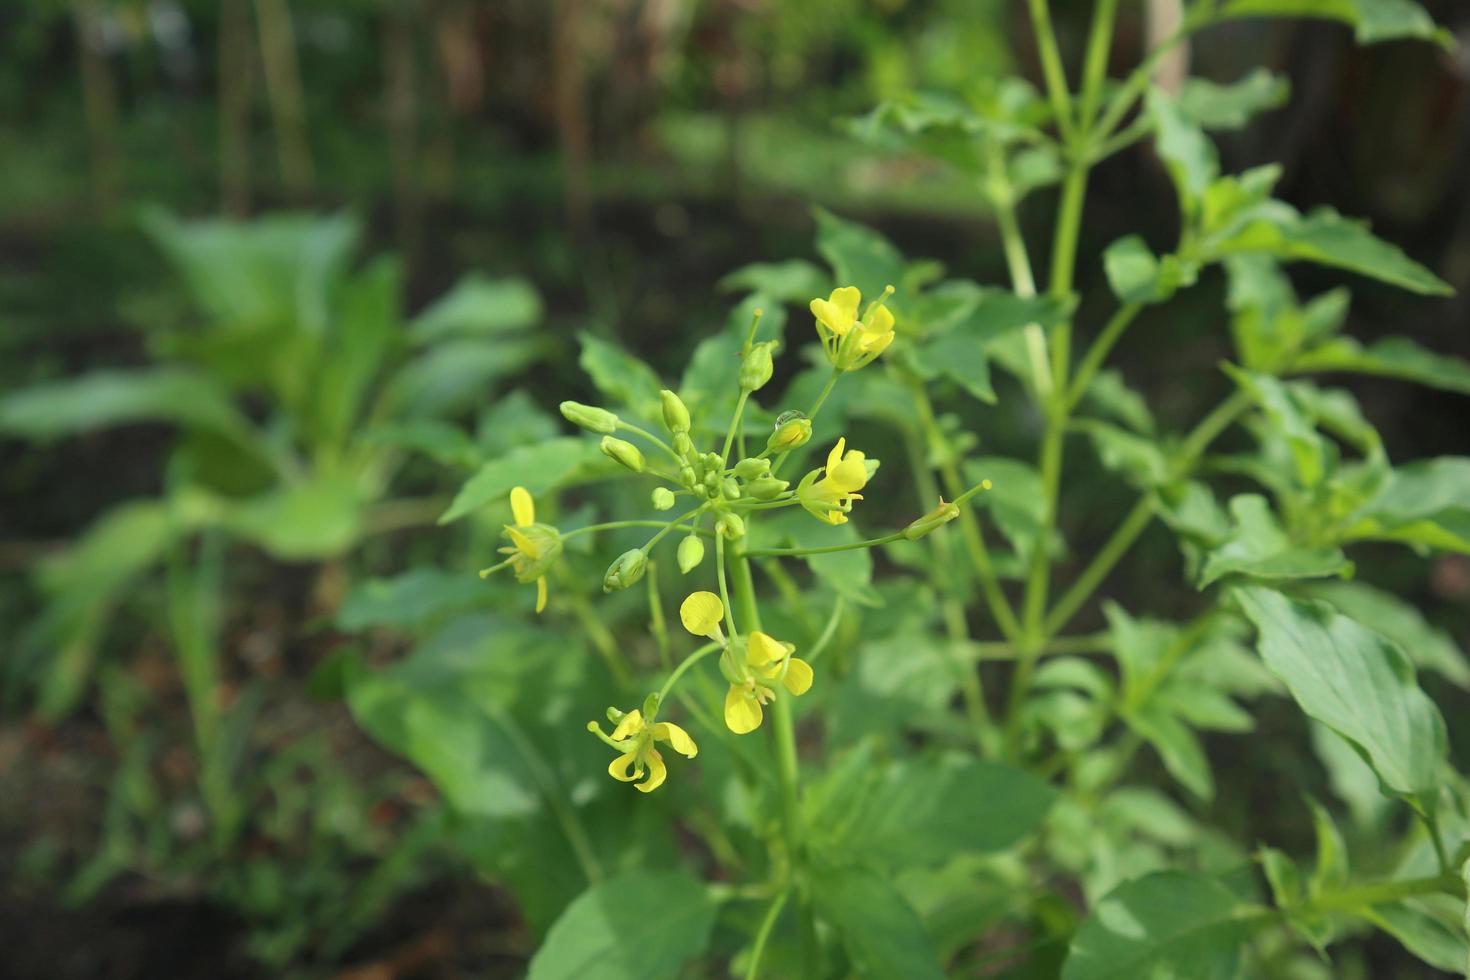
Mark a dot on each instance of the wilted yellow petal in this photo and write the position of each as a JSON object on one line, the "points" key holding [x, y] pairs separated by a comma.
{"points": [[742, 714], [762, 648], [522, 507], [621, 768], [631, 725], [798, 678], [678, 738], [702, 613], [657, 773], [541, 593]]}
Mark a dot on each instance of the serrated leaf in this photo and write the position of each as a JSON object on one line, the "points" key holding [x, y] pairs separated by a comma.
{"points": [[1177, 746], [1371, 20], [636, 925], [1392, 357], [1138, 459], [1258, 548], [1215, 106], [539, 467], [1167, 924], [1357, 683], [1108, 394], [1136, 275], [881, 932]]}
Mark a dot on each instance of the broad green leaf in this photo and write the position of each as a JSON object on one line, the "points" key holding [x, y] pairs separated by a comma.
{"points": [[105, 398], [860, 257], [539, 467], [1357, 683], [455, 375], [410, 601], [1186, 151], [636, 925], [1268, 324], [1383, 612], [443, 442], [1166, 924], [1425, 503], [926, 811], [1138, 459], [622, 377], [317, 518], [1326, 238], [1430, 928], [794, 281], [1109, 395], [367, 330], [1136, 275], [1289, 420], [1178, 747], [476, 307], [1258, 548], [1214, 106], [1014, 500], [1392, 357], [881, 932], [959, 358], [1371, 20]]}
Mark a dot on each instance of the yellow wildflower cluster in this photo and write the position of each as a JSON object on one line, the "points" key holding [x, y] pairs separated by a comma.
{"points": [[851, 342], [751, 664]]}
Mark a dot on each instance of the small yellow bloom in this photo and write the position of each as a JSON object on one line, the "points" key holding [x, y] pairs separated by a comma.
{"points": [[534, 547], [702, 613], [768, 661], [830, 498], [636, 738], [851, 342]]}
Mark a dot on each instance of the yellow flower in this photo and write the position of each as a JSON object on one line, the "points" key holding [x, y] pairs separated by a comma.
{"points": [[635, 737], [702, 613], [830, 498], [534, 547], [767, 661], [851, 342]]}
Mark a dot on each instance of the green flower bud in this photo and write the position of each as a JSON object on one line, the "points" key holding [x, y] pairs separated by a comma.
{"points": [[625, 571], [756, 367], [938, 517], [731, 526], [691, 553], [793, 429], [730, 489], [676, 416], [589, 417], [686, 476], [683, 445], [752, 468], [767, 488], [663, 498], [622, 451], [650, 708]]}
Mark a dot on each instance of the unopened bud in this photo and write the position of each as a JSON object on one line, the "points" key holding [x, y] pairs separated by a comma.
{"points": [[730, 489], [767, 488], [790, 433], [663, 498], [731, 526], [676, 416], [589, 417], [756, 367], [650, 707], [624, 452], [691, 553], [683, 445], [625, 571], [938, 517], [752, 468]]}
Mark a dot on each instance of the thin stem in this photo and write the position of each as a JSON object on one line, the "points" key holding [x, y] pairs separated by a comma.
{"points": [[1098, 352], [1137, 81], [828, 631], [1023, 281], [734, 425], [602, 639], [657, 625], [689, 661], [551, 789], [1380, 892], [1111, 552], [823, 550], [724, 587], [676, 525], [1095, 64], [1051, 67], [763, 934], [636, 430], [811, 414]]}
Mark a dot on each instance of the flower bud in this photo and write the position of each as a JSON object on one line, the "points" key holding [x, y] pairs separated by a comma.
{"points": [[730, 489], [755, 367], [624, 452], [730, 525], [686, 476], [663, 498], [938, 517], [650, 708], [676, 416], [752, 468], [767, 488], [683, 445], [691, 553], [589, 417], [625, 571], [790, 433]]}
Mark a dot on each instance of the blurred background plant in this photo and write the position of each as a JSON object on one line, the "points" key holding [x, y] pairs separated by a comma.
{"points": [[223, 442]]}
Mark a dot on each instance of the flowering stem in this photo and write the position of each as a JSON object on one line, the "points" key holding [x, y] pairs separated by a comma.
{"points": [[1098, 352], [619, 525], [823, 550], [734, 424], [763, 934], [828, 632], [724, 588], [689, 661], [811, 414]]}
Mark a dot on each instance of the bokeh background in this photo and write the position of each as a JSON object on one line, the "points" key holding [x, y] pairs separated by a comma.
{"points": [[618, 158]]}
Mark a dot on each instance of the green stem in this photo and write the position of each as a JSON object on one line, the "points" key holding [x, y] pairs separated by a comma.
{"points": [[734, 425], [1051, 67], [576, 834], [1059, 645], [724, 587], [763, 934], [824, 549], [630, 427], [1134, 85], [620, 525], [1380, 892], [689, 661], [602, 639], [1095, 62], [828, 632], [1099, 351], [1111, 552], [812, 414]]}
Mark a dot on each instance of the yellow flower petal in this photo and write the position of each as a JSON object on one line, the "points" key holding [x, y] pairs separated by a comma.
{"points": [[621, 768], [523, 543], [850, 475], [742, 714], [702, 613], [657, 773], [678, 738], [631, 725], [523, 507], [798, 678], [762, 648], [838, 312], [880, 321], [541, 593], [835, 456]]}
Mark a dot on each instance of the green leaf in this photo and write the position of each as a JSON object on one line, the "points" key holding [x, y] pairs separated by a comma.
{"points": [[539, 467], [105, 398], [793, 281], [1288, 419], [478, 307], [1258, 548], [881, 932], [1371, 20], [1136, 275], [1186, 151], [1109, 395], [622, 377], [1214, 106], [1425, 503], [860, 257], [1383, 612], [410, 601], [1178, 747], [636, 925], [1430, 928], [1392, 357], [1138, 459], [1014, 500], [1167, 924], [443, 442], [317, 518], [1357, 683], [848, 573], [1268, 325], [453, 375]]}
